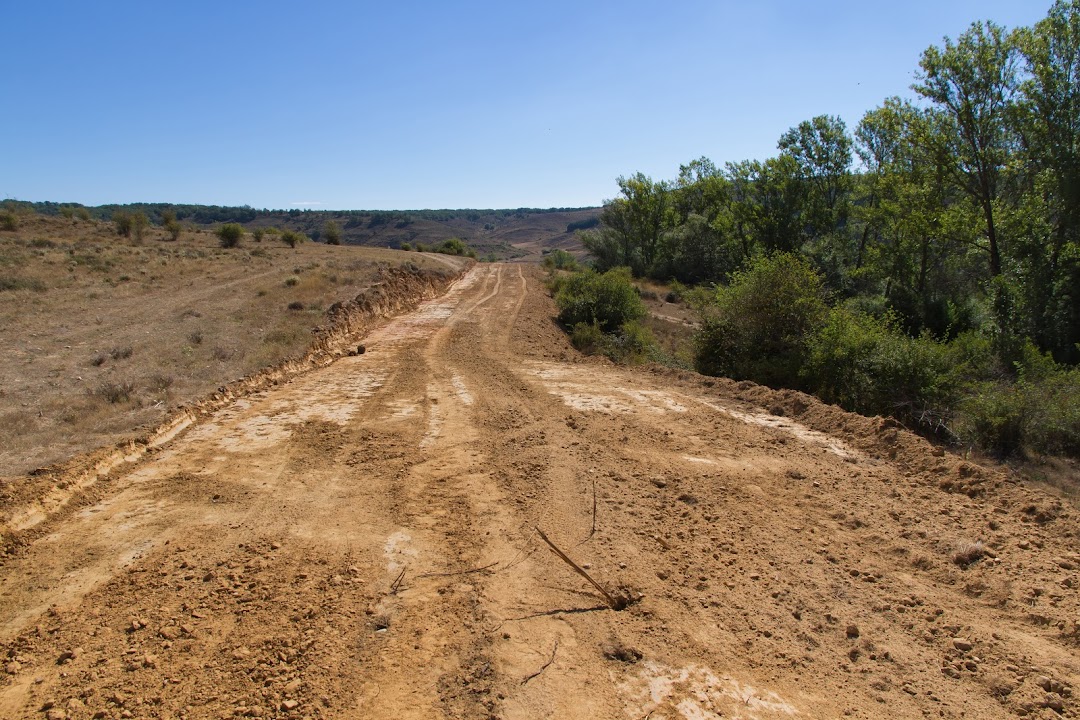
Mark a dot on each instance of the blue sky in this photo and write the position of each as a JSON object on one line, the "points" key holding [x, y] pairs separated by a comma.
{"points": [[408, 105]]}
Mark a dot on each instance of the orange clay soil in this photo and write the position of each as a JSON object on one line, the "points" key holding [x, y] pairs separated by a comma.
{"points": [[361, 542]]}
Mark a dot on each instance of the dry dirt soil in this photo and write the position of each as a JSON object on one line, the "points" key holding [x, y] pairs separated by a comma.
{"points": [[362, 542], [104, 336]]}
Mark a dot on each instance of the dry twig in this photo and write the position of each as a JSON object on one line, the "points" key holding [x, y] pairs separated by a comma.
{"points": [[613, 602], [397, 583], [546, 665]]}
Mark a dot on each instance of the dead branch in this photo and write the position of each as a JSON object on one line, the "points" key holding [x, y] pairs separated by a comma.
{"points": [[546, 665], [458, 572], [613, 603], [397, 583]]}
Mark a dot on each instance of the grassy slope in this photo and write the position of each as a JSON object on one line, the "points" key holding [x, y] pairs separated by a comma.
{"points": [[105, 335]]}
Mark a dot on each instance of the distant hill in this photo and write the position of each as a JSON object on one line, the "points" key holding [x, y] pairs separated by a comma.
{"points": [[522, 233]]}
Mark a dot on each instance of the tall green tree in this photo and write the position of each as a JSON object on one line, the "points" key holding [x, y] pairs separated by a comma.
{"points": [[632, 225], [821, 147], [973, 82], [1049, 120]]}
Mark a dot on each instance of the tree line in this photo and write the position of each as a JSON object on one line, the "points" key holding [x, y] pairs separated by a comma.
{"points": [[956, 211], [925, 265]]}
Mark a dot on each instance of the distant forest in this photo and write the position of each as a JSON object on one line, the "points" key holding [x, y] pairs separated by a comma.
{"points": [[215, 214]]}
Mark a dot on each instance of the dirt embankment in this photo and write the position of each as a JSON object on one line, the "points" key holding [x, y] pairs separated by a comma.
{"points": [[26, 501], [361, 542]]}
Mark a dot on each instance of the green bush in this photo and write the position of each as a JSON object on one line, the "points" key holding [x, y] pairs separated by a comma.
{"points": [[130, 224], [230, 235], [676, 292], [291, 238], [757, 328], [992, 417], [453, 246], [630, 343], [869, 365], [560, 260], [406, 247], [1038, 412], [9, 221], [607, 300], [588, 338]]}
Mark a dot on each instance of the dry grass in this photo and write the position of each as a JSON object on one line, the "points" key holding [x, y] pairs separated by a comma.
{"points": [[105, 335], [968, 553]]}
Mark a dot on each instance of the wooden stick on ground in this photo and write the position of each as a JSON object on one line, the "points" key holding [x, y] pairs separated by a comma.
{"points": [[613, 603]]}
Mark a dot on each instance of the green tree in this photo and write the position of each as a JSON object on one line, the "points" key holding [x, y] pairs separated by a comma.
{"points": [[822, 149], [631, 225], [1049, 120], [331, 233], [972, 83]]}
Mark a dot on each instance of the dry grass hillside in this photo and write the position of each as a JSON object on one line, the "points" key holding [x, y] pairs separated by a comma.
{"points": [[496, 234], [106, 335]]}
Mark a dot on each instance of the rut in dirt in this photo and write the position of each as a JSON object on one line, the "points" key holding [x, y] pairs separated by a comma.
{"points": [[361, 542]]}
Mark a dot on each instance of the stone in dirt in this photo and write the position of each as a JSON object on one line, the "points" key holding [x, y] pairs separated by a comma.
{"points": [[962, 644]]}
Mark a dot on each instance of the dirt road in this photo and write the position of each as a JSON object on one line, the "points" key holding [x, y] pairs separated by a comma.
{"points": [[361, 543]]}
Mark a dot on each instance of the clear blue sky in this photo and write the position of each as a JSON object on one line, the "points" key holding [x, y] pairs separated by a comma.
{"points": [[407, 105]]}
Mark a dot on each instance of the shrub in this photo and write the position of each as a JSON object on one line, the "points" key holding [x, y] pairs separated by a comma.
{"points": [[676, 293], [757, 327], [588, 338], [115, 392], [1037, 413], [9, 221], [123, 222], [291, 238], [607, 300], [869, 365], [296, 305], [406, 247], [170, 224], [174, 229], [230, 235], [15, 282], [331, 233], [130, 224], [559, 259], [453, 246], [257, 234]]}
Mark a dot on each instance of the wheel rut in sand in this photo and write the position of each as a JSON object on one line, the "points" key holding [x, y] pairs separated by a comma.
{"points": [[361, 542]]}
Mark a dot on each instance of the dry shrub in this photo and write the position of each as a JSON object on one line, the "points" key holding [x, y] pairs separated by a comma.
{"points": [[115, 392], [968, 553]]}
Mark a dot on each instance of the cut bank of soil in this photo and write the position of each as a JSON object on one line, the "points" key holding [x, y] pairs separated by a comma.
{"points": [[361, 542]]}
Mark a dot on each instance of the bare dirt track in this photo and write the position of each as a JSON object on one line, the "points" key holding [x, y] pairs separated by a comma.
{"points": [[360, 543]]}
